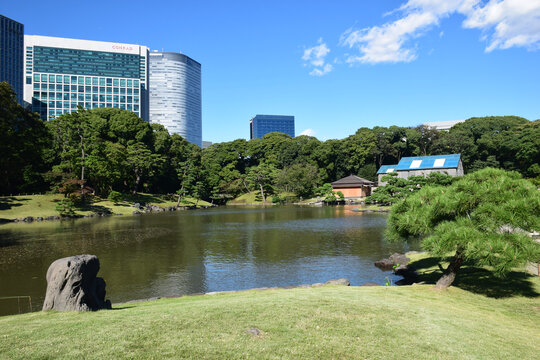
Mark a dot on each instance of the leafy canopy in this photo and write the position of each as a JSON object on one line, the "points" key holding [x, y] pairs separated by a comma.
{"points": [[485, 216]]}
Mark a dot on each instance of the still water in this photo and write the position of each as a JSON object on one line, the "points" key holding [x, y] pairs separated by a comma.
{"points": [[176, 253]]}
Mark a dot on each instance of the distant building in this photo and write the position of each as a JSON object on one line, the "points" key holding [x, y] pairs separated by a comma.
{"points": [[175, 94], [423, 165], [261, 125], [206, 144], [353, 187], [12, 55], [442, 125], [62, 74]]}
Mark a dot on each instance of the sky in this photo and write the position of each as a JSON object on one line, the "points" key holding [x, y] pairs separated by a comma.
{"points": [[336, 66]]}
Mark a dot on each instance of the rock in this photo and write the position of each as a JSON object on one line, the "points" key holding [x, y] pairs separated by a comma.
{"points": [[370, 283], [136, 212], [39, 218], [28, 219], [341, 281], [399, 259], [384, 264], [137, 206], [317, 285], [72, 285], [394, 259], [253, 331]]}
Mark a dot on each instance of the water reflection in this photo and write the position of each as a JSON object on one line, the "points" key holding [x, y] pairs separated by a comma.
{"points": [[171, 254]]}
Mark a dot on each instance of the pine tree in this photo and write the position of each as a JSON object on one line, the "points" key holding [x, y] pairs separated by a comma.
{"points": [[484, 217]]}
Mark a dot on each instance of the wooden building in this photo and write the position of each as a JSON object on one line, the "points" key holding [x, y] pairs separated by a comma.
{"points": [[353, 187]]}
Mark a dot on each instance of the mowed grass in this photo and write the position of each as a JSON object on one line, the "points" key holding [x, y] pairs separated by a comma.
{"points": [[18, 207], [331, 322]]}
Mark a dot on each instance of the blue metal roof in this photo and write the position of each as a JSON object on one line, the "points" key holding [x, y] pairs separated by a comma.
{"points": [[387, 169], [428, 162]]}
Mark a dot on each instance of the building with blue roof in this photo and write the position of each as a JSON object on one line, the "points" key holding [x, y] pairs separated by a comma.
{"points": [[424, 165]]}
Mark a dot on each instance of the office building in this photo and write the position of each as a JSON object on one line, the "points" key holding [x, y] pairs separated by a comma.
{"points": [[261, 125], [12, 55], [175, 94], [61, 74]]}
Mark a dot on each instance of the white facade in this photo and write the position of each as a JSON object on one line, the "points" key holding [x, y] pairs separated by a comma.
{"points": [[62, 74], [175, 94]]}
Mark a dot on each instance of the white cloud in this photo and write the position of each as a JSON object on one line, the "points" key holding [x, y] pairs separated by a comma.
{"points": [[308, 132], [321, 71], [315, 57], [514, 23]]}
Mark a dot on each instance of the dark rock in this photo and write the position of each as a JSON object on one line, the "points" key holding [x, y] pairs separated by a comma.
{"points": [[28, 219], [394, 259], [370, 283], [136, 212], [341, 281], [253, 331], [39, 218], [399, 259], [384, 264], [72, 285]]}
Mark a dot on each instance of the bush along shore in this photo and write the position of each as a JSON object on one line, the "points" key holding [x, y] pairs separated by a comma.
{"points": [[30, 208]]}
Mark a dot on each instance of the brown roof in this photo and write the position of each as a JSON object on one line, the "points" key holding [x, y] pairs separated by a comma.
{"points": [[351, 181]]}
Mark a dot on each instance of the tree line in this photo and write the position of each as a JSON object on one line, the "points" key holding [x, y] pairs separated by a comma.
{"points": [[104, 150]]}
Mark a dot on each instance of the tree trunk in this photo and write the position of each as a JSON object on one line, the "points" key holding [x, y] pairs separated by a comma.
{"points": [[262, 193], [83, 154], [450, 273]]}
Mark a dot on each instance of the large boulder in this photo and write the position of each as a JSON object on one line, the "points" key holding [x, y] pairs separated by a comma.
{"points": [[72, 285]]}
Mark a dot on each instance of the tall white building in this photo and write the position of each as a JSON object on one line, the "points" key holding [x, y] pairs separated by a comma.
{"points": [[64, 73], [175, 94]]}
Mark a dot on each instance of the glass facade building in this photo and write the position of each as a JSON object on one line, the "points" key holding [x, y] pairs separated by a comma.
{"points": [[261, 125], [175, 94], [61, 74], [12, 55]]}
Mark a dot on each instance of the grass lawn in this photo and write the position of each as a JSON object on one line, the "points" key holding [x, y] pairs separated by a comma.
{"points": [[479, 318], [251, 198], [331, 322], [17, 207]]}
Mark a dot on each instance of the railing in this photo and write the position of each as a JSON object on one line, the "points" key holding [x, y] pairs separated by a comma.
{"points": [[19, 301]]}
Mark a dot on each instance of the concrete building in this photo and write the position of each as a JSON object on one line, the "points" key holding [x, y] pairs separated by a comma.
{"points": [[442, 125], [423, 165], [64, 73], [353, 187], [175, 94], [261, 125], [12, 55]]}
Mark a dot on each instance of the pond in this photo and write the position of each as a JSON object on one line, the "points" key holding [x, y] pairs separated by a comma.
{"points": [[178, 253]]}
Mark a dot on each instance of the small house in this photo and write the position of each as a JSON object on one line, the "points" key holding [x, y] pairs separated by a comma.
{"points": [[353, 187], [424, 165]]}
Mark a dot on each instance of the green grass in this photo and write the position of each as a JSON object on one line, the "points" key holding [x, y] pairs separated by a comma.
{"points": [[17, 207], [330, 322], [373, 207], [251, 198]]}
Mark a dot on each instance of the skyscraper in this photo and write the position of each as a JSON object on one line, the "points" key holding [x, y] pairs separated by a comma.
{"points": [[64, 73], [12, 55], [261, 125], [175, 94]]}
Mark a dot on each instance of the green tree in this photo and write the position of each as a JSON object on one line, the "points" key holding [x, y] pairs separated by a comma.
{"points": [[23, 142], [397, 188], [300, 179], [483, 217], [262, 178]]}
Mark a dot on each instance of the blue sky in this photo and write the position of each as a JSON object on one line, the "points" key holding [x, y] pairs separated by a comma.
{"points": [[335, 65]]}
